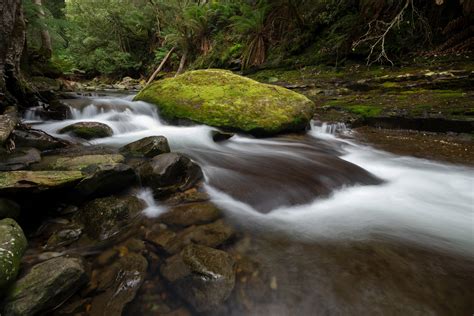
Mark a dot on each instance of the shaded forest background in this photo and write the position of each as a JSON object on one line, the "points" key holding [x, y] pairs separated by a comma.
{"points": [[131, 37]]}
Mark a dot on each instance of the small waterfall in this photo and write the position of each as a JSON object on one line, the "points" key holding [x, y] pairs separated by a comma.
{"points": [[328, 128]]}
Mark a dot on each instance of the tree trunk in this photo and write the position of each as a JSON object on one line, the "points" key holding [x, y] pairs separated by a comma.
{"points": [[182, 63], [163, 62], [12, 39], [46, 46]]}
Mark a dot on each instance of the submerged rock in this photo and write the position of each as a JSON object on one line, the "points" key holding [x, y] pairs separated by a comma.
{"points": [[210, 235], [119, 284], [219, 136], [45, 286], [169, 172], [12, 246], [202, 276], [222, 99], [21, 158], [105, 218], [191, 214], [88, 130], [148, 147]]}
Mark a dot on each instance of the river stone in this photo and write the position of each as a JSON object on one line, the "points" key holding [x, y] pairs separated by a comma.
{"points": [[148, 147], [12, 246], [107, 179], [8, 122], [210, 235], [222, 99], [21, 158], [105, 218], [45, 286], [88, 130], [37, 139], [119, 284], [191, 214], [218, 136], [169, 172], [9, 209], [36, 181], [78, 162], [202, 276]]}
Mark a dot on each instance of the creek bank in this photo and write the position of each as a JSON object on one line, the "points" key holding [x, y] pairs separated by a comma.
{"points": [[96, 249], [433, 100]]}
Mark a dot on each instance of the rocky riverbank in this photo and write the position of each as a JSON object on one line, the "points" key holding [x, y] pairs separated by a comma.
{"points": [[90, 248]]}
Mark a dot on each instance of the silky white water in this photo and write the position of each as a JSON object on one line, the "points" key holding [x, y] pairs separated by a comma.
{"points": [[309, 187]]}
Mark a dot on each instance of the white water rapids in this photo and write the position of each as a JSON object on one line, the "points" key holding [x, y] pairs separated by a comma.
{"points": [[268, 185]]}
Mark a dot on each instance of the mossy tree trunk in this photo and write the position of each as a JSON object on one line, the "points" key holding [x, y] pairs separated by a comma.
{"points": [[12, 40]]}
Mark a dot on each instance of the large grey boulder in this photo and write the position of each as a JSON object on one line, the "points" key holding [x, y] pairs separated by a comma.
{"points": [[12, 246], [45, 286]]}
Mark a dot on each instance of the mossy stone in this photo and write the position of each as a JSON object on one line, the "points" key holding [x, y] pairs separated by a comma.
{"points": [[12, 246], [222, 99]]}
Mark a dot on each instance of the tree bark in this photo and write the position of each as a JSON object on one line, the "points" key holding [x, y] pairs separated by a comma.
{"points": [[163, 62], [182, 63], [46, 46], [12, 39]]}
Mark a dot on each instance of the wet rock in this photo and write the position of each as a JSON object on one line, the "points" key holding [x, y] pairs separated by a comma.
{"points": [[19, 159], [64, 237], [9, 209], [8, 122], [148, 147], [202, 276], [79, 162], [170, 172], [165, 241], [105, 218], [88, 130], [191, 214], [12, 246], [211, 235], [192, 195], [119, 284], [219, 136], [55, 111], [13, 182], [45, 286], [37, 139], [107, 179]]}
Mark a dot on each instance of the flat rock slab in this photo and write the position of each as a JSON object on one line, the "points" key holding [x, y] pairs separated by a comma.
{"points": [[33, 181], [77, 163]]}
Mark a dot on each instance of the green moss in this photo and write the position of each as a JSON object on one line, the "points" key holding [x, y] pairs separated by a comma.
{"points": [[390, 85], [365, 110], [223, 99], [12, 246]]}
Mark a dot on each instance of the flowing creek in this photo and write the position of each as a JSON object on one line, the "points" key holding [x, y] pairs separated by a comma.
{"points": [[336, 227]]}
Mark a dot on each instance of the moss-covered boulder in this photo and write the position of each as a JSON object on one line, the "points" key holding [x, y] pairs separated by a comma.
{"points": [[45, 286], [12, 246], [222, 99], [88, 130]]}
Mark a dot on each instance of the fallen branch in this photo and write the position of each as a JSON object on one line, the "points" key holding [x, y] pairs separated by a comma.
{"points": [[163, 62]]}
